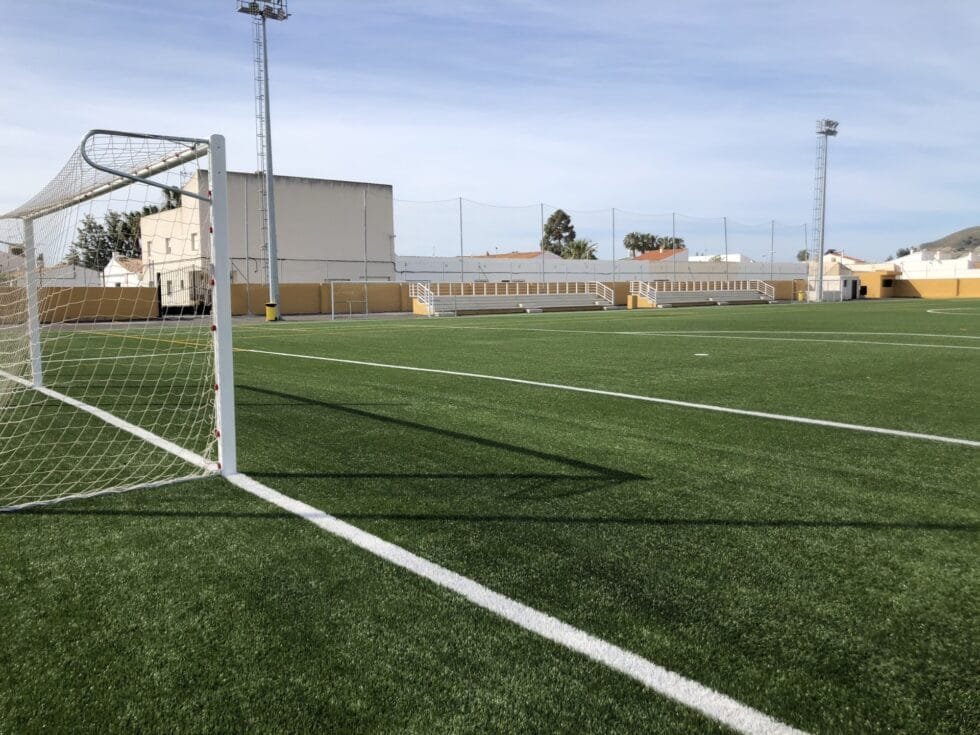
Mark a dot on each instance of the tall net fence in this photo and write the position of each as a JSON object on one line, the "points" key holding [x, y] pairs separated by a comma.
{"points": [[460, 239], [106, 348]]}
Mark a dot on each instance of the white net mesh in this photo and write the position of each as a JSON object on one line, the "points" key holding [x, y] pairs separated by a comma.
{"points": [[106, 353]]}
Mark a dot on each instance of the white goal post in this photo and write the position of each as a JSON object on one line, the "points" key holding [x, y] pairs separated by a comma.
{"points": [[115, 322]]}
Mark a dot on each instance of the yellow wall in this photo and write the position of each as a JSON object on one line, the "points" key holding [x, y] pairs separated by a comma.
{"points": [[96, 303], [782, 290], [969, 288], [299, 298], [928, 288], [874, 284], [314, 298]]}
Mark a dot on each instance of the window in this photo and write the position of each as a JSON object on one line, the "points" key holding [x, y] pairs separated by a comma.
{"points": [[182, 285], [118, 285], [166, 245], [886, 282], [170, 288], [194, 242], [149, 247]]}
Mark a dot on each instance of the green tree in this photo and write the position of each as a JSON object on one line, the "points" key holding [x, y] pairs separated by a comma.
{"points": [[580, 249], [92, 243], [803, 255], [639, 242], [902, 252], [119, 232], [73, 257], [16, 249], [670, 243], [558, 233]]}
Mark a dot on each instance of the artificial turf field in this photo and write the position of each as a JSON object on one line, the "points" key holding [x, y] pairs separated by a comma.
{"points": [[825, 576]]}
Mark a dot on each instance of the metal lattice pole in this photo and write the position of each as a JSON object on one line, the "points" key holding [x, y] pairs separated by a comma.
{"points": [[825, 129], [260, 11]]}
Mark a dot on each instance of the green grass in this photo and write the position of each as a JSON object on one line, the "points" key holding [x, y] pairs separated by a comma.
{"points": [[826, 577]]}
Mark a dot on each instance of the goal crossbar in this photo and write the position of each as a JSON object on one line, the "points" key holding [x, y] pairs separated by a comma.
{"points": [[51, 200]]}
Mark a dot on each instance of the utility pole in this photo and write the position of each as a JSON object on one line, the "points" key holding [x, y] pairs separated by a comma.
{"points": [[261, 10], [825, 129]]}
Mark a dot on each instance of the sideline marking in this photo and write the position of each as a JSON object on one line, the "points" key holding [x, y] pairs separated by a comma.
{"points": [[956, 311], [707, 701], [721, 334], [634, 397]]}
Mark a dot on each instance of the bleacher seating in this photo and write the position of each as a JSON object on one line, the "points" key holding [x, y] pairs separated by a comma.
{"points": [[506, 304], [702, 293], [694, 298]]}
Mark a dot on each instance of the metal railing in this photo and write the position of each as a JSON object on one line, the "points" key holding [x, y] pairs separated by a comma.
{"points": [[650, 290], [423, 294], [604, 292], [512, 288]]}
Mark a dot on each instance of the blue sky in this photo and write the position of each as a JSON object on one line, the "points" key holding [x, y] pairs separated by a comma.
{"points": [[702, 107]]}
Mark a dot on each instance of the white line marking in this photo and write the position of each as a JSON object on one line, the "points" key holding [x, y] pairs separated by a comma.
{"points": [[633, 397], [715, 334], [956, 311], [698, 697], [139, 432]]}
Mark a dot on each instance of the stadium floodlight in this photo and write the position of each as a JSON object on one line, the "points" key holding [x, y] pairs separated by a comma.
{"points": [[261, 11], [112, 376], [825, 129]]}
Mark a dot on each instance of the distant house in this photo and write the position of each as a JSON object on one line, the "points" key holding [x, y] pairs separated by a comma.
{"points": [[721, 258], [121, 271], [842, 259], [652, 256]]}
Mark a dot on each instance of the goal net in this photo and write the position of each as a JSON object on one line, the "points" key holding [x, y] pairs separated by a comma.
{"points": [[115, 331]]}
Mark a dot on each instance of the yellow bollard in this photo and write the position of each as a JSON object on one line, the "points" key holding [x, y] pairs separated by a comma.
{"points": [[270, 312]]}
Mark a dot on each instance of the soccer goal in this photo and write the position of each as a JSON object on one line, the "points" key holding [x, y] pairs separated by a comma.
{"points": [[115, 322]]}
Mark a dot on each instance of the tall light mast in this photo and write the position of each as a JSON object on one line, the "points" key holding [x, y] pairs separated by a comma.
{"points": [[825, 130], [262, 10]]}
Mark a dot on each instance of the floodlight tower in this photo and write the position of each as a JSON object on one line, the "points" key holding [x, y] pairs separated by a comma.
{"points": [[825, 130], [261, 10]]}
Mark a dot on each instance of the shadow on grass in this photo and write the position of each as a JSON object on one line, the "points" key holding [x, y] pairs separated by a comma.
{"points": [[787, 523], [605, 476]]}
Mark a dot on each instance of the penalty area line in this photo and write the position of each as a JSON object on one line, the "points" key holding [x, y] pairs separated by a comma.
{"points": [[634, 397], [707, 701]]}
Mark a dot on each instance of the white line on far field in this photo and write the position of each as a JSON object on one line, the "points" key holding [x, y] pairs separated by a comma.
{"points": [[633, 397], [713, 334], [707, 701]]}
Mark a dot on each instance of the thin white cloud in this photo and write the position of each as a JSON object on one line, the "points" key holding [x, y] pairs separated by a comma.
{"points": [[701, 107]]}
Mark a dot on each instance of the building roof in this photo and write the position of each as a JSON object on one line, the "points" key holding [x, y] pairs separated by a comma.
{"points": [[659, 254], [133, 265]]}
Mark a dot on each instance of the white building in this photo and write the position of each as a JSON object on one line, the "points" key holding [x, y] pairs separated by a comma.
{"points": [[326, 231], [121, 271], [721, 258], [938, 264]]}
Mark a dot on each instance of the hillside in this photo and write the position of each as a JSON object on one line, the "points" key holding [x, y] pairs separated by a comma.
{"points": [[963, 241]]}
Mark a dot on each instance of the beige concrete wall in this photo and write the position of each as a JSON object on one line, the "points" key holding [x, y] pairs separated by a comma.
{"points": [[13, 305], [315, 298], [97, 304], [320, 227]]}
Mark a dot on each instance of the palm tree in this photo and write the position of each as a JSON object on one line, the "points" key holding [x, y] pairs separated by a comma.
{"points": [[580, 249]]}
